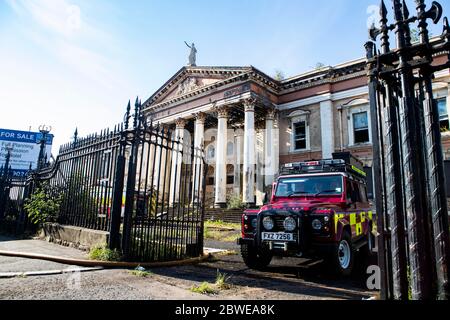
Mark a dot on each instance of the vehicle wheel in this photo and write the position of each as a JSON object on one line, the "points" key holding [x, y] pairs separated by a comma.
{"points": [[342, 257], [255, 259]]}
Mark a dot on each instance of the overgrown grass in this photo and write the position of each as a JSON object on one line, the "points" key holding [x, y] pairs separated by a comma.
{"points": [[231, 238], [220, 224], [204, 288], [102, 253]]}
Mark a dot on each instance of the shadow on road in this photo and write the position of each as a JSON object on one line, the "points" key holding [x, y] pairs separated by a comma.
{"points": [[283, 276]]}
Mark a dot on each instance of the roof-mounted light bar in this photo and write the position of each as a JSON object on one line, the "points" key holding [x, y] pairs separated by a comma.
{"points": [[327, 165]]}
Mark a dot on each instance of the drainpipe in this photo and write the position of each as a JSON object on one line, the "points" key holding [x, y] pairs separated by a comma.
{"points": [[341, 135]]}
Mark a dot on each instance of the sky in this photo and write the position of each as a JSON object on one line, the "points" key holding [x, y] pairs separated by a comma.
{"points": [[76, 63]]}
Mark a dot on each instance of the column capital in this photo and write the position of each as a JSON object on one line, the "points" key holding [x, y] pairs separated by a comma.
{"points": [[200, 117], [271, 113], [180, 123], [249, 104], [222, 112]]}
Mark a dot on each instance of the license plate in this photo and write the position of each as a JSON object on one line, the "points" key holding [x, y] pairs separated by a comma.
{"points": [[280, 236]]}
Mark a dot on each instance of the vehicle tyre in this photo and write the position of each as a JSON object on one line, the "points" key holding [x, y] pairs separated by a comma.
{"points": [[255, 259], [342, 257]]}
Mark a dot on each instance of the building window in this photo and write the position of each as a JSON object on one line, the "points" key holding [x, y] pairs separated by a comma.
{"points": [[230, 179], [230, 149], [443, 114], [299, 129], [361, 127], [211, 153]]}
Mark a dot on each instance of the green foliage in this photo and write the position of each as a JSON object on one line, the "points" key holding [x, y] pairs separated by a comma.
{"points": [[204, 288], [220, 224], [43, 205], [102, 253], [78, 197], [222, 281], [140, 273], [235, 202]]}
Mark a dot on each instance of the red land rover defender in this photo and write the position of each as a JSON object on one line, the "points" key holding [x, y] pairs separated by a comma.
{"points": [[317, 209]]}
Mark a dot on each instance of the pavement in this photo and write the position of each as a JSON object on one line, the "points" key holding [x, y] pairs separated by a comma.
{"points": [[21, 265], [287, 279]]}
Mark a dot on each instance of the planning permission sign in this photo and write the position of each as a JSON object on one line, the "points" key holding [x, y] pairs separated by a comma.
{"points": [[24, 147]]}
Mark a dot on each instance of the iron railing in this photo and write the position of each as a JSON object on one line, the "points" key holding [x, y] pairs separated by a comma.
{"points": [[410, 191], [140, 182]]}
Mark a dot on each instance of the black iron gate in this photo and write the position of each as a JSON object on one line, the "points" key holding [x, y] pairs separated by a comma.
{"points": [[410, 192], [13, 192], [140, 182]]}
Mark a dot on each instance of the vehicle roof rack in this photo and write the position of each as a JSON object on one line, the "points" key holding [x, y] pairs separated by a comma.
{"points": [[341, 162]]}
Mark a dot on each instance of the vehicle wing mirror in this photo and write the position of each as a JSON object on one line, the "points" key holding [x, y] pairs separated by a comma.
{"points": [[266, 198]]}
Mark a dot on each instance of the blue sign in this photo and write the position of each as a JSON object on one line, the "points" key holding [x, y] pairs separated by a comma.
{"points": [[24, 147]]}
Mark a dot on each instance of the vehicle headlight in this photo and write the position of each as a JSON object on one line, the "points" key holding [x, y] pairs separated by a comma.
{"points": [[289, 224], [268, 223], [254, 222], [317, 224]]}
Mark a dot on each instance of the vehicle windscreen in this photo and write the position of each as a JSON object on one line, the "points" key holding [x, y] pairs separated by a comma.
{"points": [[310, 186]]}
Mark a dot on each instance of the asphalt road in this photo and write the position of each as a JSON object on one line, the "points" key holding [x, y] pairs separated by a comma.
{"points": [[287, 279]]}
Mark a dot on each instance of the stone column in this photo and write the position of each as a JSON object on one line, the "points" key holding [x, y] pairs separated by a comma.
{"points": [[327, 125], [177, 162], [221, 158], [249, 153], [197, 179], [239, 133], [271, 149], [260, 169]]}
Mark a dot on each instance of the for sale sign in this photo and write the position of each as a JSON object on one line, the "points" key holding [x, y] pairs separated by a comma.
{"points": [[24, 147]]}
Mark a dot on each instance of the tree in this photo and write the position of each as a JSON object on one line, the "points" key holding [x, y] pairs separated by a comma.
{"points": [[319, 65]]}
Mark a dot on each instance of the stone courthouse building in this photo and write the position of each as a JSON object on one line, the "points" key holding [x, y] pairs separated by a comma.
{"points": [[250, 124]]}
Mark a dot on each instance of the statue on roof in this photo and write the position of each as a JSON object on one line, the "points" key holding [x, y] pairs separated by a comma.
{"points": [[192, 55]]}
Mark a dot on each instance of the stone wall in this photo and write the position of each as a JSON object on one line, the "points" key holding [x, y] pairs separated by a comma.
{"points": [[75, 237]]}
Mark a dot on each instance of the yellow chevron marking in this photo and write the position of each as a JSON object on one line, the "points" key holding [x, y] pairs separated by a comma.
{"points": [[352, 219], [358, 229]]}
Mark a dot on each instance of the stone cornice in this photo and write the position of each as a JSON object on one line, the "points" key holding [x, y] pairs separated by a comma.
{"points": [[211, 72], [242, 74], [200, 92]]}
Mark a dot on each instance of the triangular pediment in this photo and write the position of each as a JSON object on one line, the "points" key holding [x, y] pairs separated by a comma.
{"points": [[191, 79]]}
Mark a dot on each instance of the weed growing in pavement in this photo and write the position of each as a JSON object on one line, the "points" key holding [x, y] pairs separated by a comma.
{"points": [[222, 281], [204, 288], [141, 274], [102, 253]]}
